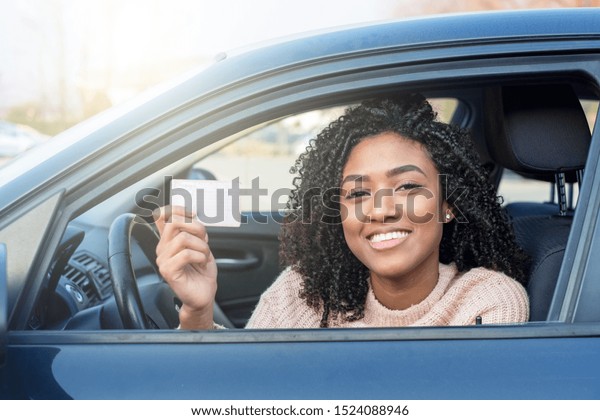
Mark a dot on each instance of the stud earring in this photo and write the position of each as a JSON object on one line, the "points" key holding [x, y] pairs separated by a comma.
{"points": [[448, 215]]}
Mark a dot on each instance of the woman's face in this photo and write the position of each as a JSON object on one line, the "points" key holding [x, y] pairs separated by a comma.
{"points": [[391, 207]]}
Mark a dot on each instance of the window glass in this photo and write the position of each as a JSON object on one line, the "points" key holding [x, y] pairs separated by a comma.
{"points": [[516, 188], [444, 107], [590, 107]]}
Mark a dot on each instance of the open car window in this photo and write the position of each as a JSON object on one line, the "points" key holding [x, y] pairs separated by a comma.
{"points": [[248, 256]]}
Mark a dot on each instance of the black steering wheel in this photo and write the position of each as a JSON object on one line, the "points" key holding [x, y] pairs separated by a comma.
{"points": [[150, 305], [124, 282]]}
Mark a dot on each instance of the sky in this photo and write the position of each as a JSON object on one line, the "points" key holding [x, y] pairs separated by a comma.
{"points": [[139, 30], [63, 52], [68, 59]]}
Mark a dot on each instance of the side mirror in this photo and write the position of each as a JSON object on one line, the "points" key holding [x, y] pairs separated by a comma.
{"points": [[3, 303]]}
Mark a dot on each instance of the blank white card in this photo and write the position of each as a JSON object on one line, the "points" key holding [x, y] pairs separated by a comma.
{"points": [[211, 201]]}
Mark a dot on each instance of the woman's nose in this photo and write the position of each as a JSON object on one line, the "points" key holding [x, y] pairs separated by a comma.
{"points": [[385, 206]]}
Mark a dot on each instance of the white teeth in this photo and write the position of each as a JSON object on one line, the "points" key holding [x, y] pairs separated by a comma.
{"points": [[380, 237]]}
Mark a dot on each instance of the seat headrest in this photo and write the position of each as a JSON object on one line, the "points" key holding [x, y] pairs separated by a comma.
{"points": [[537, 130]]}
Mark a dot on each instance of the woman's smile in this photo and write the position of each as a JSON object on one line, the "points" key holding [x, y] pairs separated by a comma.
{"points": [[387, 240]]}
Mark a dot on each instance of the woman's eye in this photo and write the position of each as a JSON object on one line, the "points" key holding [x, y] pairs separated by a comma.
{"points": [[356, 194], [408, 186]]}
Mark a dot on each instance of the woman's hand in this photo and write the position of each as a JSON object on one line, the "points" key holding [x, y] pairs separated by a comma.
{"points": [[187, 264]]}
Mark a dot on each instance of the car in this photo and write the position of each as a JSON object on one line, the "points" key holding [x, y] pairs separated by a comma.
{"points": [[525, 84], [17, 138]]}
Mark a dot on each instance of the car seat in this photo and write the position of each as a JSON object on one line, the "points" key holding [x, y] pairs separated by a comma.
{"points": [[539, 131]]}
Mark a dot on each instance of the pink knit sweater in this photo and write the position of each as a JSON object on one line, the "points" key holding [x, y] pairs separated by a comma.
{"points": [[457, 299]]}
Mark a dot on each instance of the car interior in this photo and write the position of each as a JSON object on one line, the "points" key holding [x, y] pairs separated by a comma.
{"points": [[532, 135]]}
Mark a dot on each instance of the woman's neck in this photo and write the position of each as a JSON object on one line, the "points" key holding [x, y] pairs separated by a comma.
{"points": [[407, 290]]}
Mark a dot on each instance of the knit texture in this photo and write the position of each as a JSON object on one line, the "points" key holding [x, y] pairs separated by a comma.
{"points": [[457, 299]]}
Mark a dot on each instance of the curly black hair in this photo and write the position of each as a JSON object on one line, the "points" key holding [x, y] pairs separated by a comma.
{"points": [[312, 240]]}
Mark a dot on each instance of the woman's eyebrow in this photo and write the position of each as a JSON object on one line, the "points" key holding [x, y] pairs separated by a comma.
{"points": [[402, 169], [391, 173], [351, 178]]}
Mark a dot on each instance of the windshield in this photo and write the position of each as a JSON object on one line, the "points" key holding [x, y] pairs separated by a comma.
{"points": [[14, 167]]}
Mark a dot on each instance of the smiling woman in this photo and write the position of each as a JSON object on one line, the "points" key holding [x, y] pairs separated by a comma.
{"points": [[373, 238]]}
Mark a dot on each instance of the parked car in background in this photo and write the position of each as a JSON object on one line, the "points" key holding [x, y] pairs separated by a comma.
{"points": [[520, 82], [17, 138]]}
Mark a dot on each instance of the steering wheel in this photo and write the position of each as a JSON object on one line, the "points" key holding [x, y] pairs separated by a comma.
{"points": [[124, 282], [161, 303]]}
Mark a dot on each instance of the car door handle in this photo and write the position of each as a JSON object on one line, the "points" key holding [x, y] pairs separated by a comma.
{"points": [[234, 264]]}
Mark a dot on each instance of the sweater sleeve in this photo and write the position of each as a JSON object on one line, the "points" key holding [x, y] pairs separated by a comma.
{"points": [[497, 298]]}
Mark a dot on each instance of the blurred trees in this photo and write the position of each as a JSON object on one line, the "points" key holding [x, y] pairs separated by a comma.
{"points": [[53, 121], [32, 115], [416, 8]]}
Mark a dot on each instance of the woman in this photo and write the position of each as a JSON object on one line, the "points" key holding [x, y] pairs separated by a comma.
{"points": [[392, 223]]}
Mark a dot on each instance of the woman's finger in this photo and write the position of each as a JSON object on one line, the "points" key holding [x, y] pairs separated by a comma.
{"points": [[164, 215], [180, 223], [183, 240], [183, 259]]}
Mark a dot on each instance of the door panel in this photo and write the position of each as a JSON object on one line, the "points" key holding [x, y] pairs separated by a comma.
{"points": [[171, 365]]}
